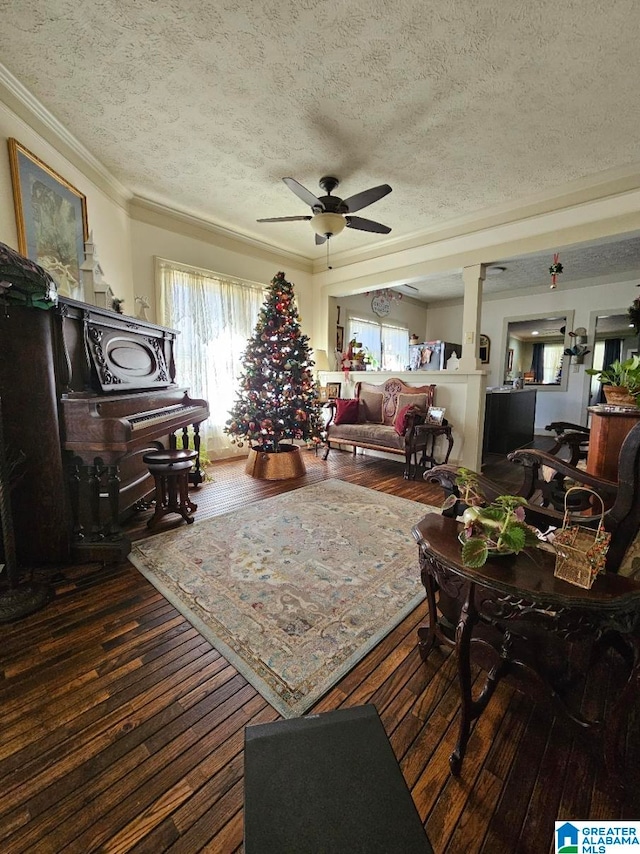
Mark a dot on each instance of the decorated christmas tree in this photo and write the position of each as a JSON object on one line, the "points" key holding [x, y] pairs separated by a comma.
{"points": [[278, 399]]}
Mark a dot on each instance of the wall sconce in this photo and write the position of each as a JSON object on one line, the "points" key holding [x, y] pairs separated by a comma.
{"points": [[579, 349]]}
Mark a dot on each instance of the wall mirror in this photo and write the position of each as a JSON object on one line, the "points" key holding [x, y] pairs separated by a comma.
{"points": [[534, 348], [613, 338]]}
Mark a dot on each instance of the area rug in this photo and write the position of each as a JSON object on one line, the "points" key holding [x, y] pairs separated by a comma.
{"points": [[293, 590]]}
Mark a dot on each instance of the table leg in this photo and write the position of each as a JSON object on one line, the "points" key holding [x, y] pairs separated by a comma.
{"points": [[627, 699], [464, 629], [428, 635], [450, 441]]}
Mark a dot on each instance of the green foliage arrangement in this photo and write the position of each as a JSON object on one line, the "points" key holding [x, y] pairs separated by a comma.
{"points": [[625, 374], [495, 529]]}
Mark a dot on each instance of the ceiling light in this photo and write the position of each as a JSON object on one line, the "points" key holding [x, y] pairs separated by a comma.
{"points": [[328, 224], [535, 332]]}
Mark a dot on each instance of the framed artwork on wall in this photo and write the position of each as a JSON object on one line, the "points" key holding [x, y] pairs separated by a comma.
{"points": [[339, 338], [51, 217], [333, 390], [484, 349]]}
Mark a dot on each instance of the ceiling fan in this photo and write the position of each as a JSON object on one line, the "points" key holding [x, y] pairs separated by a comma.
{"points": [[331, 213]]}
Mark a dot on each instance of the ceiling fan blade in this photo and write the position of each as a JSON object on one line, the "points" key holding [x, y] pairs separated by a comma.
{"points": [[284, 218], [320, 239], [366, 225], [302, 193], [367, 197]]}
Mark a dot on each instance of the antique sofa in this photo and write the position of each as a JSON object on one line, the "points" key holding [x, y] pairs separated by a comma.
{"points": [[382, 418]]}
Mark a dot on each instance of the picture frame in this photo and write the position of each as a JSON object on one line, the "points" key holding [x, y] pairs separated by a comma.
{"points": [[435, 414], [322, 394], [333, 390], [51, 218], [484, 349], [340, 339], [509, 359]]}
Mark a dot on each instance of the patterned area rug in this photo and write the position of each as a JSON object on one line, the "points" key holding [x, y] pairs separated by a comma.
{"points": [[293, 590]]}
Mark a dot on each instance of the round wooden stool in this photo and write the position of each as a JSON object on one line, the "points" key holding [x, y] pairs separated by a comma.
{"points": [[170, 470]]}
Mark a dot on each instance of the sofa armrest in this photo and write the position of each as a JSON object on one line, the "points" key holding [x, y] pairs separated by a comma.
{"points": [[331, 406], [413, 418]]}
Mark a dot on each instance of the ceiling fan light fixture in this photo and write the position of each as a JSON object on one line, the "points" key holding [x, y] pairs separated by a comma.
{"points": [[328, 224]]}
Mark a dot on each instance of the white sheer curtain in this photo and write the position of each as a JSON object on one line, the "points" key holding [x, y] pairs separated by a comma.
{"points": [[366, 332], [388, 343], [215, 316], [552, 362], [395, 348]]}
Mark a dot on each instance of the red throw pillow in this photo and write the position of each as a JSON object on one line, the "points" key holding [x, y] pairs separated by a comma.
{"points": [[400, 424], [347, 411]]}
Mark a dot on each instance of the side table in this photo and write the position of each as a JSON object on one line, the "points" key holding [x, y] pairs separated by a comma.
{"points": [[431, 432], [509, 608]]}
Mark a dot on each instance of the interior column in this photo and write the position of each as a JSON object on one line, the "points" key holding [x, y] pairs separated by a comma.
{"points": [[470, 363], [473, 278]]}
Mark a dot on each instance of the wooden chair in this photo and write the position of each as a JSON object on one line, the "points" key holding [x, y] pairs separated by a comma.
{"points": [[572, 437], [622, 517], [547, 485]]}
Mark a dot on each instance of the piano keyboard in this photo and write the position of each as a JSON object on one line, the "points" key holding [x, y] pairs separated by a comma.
{"points": [[155, 416]]}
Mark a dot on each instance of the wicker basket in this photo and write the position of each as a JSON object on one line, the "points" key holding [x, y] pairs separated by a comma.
{"points": [[580, 552]]}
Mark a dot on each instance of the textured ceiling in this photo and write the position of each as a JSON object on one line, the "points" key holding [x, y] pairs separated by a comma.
{"points": [[583, 265], [460, 106]]}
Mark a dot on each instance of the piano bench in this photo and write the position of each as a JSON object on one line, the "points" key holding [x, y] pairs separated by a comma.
{"points": [[170, 470]]}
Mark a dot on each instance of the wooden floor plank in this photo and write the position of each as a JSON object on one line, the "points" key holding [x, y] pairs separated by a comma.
{"points": [[123, 728]]}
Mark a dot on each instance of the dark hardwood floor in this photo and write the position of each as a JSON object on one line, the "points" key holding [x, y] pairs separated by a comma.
{"points": [[122, 728]]}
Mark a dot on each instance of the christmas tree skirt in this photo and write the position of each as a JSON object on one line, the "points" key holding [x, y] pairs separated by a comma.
{"points": [[286, 464], [293, 590]]}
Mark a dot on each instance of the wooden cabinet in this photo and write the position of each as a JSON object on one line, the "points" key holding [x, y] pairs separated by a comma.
{"points": [[509, 420], [609, 428]]}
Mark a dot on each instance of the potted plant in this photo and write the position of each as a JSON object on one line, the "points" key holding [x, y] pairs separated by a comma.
{"points": [[370, 360], [621, 381], [492, 529]]}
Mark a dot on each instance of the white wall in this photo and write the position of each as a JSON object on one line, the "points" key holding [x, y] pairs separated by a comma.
{"points": [[199, 250], [444, 321], [406, 312]]}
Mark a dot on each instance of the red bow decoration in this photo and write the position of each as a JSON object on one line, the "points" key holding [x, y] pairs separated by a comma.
{"points": [[555, 269]]}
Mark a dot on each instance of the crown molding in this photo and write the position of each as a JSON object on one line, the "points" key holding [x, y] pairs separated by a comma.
{"points": [[161, 215], [611, 184], [18, 99]]}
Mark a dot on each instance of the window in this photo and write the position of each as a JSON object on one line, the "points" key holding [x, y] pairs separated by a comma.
{"points": [[215, 316], [388, 344], [552, 363]]}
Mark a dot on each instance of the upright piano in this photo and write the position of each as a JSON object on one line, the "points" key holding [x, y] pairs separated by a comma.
{"points": [[86, 392]]}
